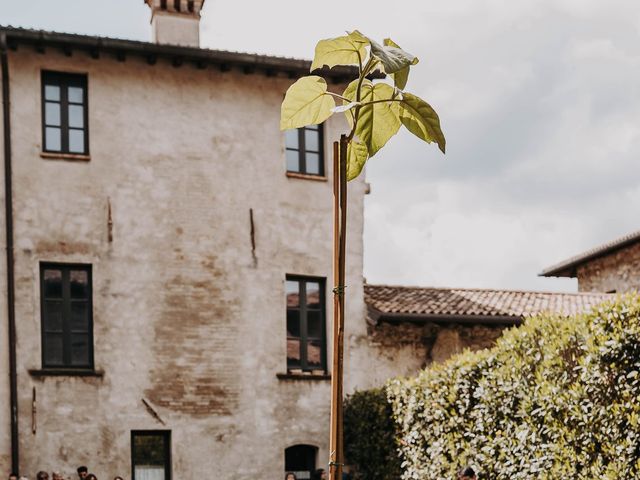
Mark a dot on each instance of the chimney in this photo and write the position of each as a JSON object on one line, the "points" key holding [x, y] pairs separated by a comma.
{"points": [[176, 22]]}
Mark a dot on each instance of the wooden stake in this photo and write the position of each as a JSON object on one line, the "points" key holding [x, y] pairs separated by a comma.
{"points": [[336, 448]]}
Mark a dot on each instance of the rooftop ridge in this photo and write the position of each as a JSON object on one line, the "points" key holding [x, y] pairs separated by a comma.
{"points": [[143, 42], [565, 268], [473, 305], [480, 289]]}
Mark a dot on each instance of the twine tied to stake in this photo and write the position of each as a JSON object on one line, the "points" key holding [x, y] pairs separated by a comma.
{"points": [[339, 289]]}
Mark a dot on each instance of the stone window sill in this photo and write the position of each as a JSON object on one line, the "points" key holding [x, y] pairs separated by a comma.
{"points": [[303, 376], [66, 372], [304, 176], [65, 156]]}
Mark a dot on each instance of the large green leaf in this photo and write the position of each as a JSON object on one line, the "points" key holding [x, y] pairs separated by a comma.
{"points": [[401, 76], [377, 122], [392, 57], [357, 156], [350, 93], [346, 50], [421, 120], [306, 103]]}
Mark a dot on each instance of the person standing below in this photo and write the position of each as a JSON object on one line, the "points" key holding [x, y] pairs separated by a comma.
{"points": [[13, 476], [83, 472], [467, 473], [41, 475], [56, 476], [319, 474]]}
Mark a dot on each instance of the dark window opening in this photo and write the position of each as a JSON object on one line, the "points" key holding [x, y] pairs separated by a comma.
{"points": [[304, 150], [301, 460], [306, 338], [64, 113], [66, 316], [151, 455]]}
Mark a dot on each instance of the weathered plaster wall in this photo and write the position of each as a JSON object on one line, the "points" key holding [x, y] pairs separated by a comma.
{"points": [[183, 317], [402, 349], [617, 272]]}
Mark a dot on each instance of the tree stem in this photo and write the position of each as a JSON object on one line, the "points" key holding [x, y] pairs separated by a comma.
{"points": [[381, 101], [338, 96]]}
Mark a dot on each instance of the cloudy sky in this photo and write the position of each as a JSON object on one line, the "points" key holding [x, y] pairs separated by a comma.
{"points": [[539, 100]]}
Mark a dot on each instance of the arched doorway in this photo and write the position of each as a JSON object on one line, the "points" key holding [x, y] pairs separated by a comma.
{"points": [[301, 460]]}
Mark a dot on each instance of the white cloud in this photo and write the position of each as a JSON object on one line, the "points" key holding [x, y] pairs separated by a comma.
{"points": [[539, 101]]}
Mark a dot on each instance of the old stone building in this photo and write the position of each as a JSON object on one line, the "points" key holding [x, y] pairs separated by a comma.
{"points": [[613, 267], [157, 220], [168, 273]]}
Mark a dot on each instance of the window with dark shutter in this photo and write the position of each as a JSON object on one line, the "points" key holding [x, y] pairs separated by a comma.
{"points": [[67, 321], [304, 150], [306, 336], [64, 113]]}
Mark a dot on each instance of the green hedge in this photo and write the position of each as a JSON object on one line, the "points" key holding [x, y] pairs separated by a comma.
{"points": [[556, 398], [370, 436]]}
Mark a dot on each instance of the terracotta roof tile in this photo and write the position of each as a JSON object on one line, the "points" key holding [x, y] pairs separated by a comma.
{"points": [[396, 301]]}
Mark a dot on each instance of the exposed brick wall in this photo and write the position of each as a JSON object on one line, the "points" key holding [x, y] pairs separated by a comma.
{"points": [[619, 272]]}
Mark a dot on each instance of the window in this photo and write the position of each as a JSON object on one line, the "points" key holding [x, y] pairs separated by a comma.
{"points": [[305, 324], [301, 460], [151, 455], [64, 113], [67, 324], [304, 150]]}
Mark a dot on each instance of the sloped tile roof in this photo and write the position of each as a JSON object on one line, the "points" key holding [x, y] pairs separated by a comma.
{"points": [[415, 302], [567, 268]]}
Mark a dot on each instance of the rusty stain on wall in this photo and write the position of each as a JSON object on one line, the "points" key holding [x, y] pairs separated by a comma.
{"points": [[109, 221]]}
